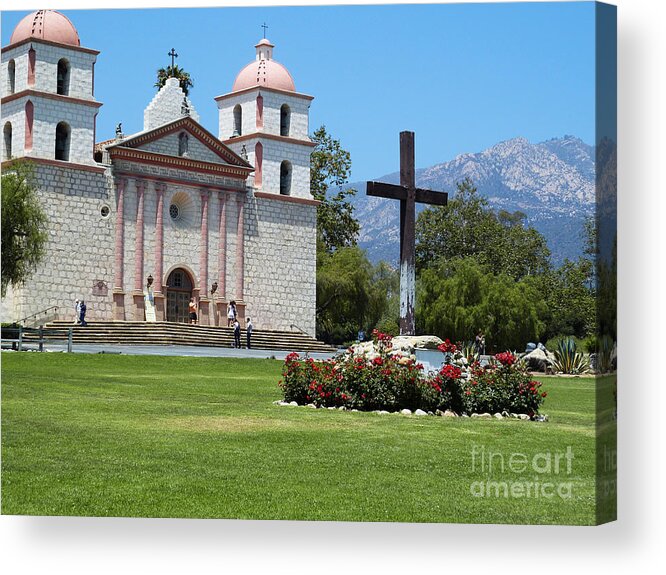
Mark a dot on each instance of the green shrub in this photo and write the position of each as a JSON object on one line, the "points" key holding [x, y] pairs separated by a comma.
{"points": [[383, 380]]}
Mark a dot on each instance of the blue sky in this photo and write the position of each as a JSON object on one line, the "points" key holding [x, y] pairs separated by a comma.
{"points": [[462, 76]]}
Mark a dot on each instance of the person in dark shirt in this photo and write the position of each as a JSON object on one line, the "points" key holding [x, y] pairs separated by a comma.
{"points": [[237, 335], [250, 327]]}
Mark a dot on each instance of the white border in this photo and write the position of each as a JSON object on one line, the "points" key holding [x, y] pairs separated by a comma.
{"points": [[633, 544]]}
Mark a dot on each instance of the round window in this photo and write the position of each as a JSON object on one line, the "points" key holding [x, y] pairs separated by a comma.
{"points": [[105, 211], [174, 211]]}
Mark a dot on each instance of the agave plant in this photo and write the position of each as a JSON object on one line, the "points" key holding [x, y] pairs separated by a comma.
{"points": [[568, 359], [470, 352], [604, 361]]}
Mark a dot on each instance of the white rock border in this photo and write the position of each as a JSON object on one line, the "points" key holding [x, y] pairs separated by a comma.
{"points": [[420, 412]]}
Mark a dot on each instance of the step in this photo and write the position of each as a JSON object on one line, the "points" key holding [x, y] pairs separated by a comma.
{"points": [[168, 333]]}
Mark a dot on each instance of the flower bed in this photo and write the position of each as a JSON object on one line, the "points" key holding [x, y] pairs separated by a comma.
{"points": [[383, 379]]}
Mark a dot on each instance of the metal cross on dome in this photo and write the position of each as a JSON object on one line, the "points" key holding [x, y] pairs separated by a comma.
{"points": [[408, 194], [265, 28]]}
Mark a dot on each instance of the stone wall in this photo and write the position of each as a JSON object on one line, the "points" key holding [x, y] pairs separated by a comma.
{"points": [[81, 120], [280, 258], [49, 111], [273, 101], [280, 264], [165, 107], [46, 69], [274, 153], [80, 245], [14, 113]]}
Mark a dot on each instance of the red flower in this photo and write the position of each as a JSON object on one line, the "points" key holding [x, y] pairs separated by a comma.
{"points": [[451, 372], [506, 358], [544, 394], [447, 347], [378, 361], [293, 356]]}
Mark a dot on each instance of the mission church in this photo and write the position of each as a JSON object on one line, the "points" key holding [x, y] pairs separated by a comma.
{"points": [[141, 223]]}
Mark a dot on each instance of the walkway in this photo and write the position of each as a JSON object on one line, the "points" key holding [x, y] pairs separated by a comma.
{"points": [[175, 350]]}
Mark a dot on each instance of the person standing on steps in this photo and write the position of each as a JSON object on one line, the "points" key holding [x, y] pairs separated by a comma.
{"points": [[231, 313], [193, 311], [82, 313], [237, 330], [77, 308], [250, 327]]}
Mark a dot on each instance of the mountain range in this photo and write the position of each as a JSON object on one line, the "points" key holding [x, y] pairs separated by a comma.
{"points": [[552, 182]]}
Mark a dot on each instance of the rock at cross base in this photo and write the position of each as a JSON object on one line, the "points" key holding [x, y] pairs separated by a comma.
{"points": [[409, 343], [539, 360]]}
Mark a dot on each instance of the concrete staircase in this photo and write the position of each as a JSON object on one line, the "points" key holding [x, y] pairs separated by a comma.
{"points": [[169, 333]]}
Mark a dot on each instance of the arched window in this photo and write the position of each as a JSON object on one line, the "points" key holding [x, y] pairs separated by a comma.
{"points": [[62, 138], [285, 120], [260, 111], [11, 77], [63, 77], [285, 178], [32, 62], [183, 144], [238, 121], [29, 118], [258, 164], [7, 133]]}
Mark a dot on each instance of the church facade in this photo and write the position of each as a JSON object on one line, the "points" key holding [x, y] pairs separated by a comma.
{"points": [[141, 223]]}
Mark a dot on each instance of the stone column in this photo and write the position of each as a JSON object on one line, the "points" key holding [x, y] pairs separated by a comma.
{"points": [[220, 300], [204, 300], [158, 294], [119, 260], [137, 293], [240, 248]]}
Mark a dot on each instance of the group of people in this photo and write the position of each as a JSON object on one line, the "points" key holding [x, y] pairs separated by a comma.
{"points": [[81, 308], [232, 321]]}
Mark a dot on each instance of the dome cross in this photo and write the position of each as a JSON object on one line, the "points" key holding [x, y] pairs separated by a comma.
{"points": [[173, 58]]}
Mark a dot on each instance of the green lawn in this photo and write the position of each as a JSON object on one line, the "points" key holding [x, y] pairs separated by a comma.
{"points": [[190, 437]]}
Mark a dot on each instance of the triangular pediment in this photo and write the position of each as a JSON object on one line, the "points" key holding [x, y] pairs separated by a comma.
{"points": [[200, 145]]}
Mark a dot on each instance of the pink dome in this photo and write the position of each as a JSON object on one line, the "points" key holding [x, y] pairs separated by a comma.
{"points": [[264, 72], [46, 25]]}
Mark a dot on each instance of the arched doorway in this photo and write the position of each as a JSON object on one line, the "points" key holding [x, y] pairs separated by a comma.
{"points": [[179, 292]]}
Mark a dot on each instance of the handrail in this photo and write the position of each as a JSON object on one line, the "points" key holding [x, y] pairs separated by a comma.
{"points": [[293, 325], [44, 336], [55, 307]]}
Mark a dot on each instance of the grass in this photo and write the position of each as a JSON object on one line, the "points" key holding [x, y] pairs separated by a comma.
{"points": [[146, 436]]}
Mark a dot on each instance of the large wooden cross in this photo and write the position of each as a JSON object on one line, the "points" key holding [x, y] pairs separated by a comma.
{"points": [[408, 194]]}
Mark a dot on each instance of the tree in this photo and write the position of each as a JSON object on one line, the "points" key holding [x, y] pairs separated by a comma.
{"points": [[186, 83], [468, 227], [571, 303], [24, 234], [460, 297], [330, 166], [343, 279], [352, 294]]}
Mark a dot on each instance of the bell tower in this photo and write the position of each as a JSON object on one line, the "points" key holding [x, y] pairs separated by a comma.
{"points": [[266, 119], [48, 104]]}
